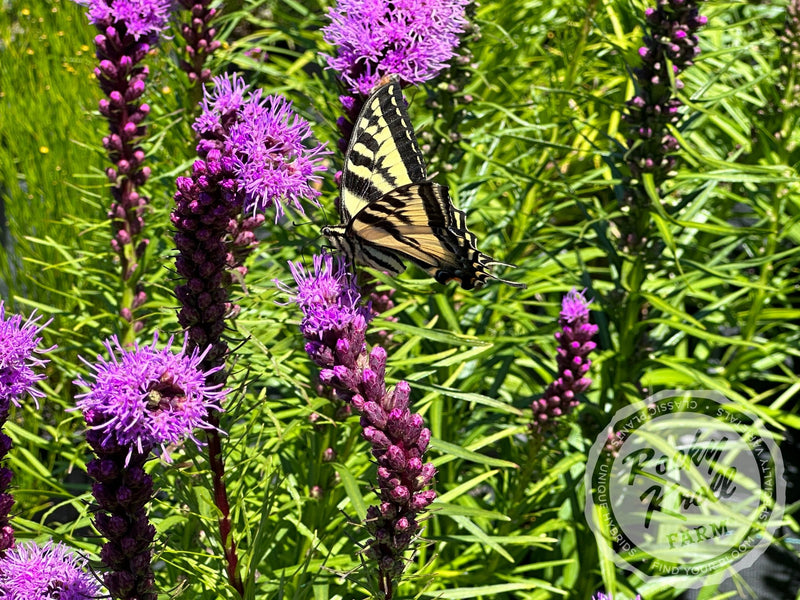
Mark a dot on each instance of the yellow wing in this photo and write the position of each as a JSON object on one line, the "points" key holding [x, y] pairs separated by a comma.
{"points": [[383, 153], [418, 222]]}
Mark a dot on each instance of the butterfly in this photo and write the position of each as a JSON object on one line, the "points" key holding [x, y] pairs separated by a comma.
{"points": [[390, 211]]}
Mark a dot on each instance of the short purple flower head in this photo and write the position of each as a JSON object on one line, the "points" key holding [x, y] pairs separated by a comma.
{"points": [[145, 396], [603, 596], [18, 348], [32, 572], [413, 39], [221, 102], [572, 357], [575, 307], [328, 296], [267, 142], [334, 320], [142, 18]]}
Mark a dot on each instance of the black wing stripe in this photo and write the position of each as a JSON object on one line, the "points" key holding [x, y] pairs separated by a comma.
{"points": [[394, 107]]}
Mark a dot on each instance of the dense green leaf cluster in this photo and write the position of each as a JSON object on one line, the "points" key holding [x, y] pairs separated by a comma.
{"points": [[531, 147]]}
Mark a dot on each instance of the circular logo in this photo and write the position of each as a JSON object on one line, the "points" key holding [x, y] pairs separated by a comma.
{"points": [[684, 484]]}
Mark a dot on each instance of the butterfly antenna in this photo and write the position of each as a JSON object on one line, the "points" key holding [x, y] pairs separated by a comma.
{"points": [[497, 263]]}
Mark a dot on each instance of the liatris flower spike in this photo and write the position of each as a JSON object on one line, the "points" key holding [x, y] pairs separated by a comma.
{"points": [[198, 34], [334, 324], [32, 572], [670, 47], [139, 399], [19, 345], [127, 30], [251, 156], [574, 345], [603, 596], [375, 38]]}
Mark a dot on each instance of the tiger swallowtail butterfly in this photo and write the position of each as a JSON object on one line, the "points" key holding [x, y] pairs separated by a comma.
{"points": [[391, 212]]}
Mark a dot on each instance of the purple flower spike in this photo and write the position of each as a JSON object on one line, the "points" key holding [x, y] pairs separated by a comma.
{"points": [[252, 154], [198, 33], [32, 572], [670, 47], [413, 39], [140, 398], [575, 344], [334, 325], [603, 596], [19, 345], [127, 30]]}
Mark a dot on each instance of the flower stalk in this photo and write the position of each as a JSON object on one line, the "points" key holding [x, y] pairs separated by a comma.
{"points": [[19, 345], [670, 46], [198, 34], [251, 156], [334, 325], [574, 345], [127, 31], [138, 400]]}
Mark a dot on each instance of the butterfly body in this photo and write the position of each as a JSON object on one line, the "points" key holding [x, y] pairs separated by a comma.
{"points": [[390, 212]]}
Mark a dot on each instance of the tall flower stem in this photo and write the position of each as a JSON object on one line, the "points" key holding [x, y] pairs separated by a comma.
{"points": [[334, 325], [127, 30], [140, 398], [251, 156], [670, 46]]}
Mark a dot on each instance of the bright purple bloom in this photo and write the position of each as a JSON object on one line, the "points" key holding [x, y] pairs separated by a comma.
{"points": [[603, 596], [272, 163], [19, 345], [144, 396], [140, 398], [574, 345], [328, 297], [32, 572], [251, 154], [266, 141], [413, 39], [334, 325], [141, 18]]}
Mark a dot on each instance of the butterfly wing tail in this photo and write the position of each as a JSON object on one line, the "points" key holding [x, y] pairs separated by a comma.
{"points": [[474, 266]]}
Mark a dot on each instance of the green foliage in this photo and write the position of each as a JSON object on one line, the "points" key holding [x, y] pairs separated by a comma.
{"points": [[534, 167]]}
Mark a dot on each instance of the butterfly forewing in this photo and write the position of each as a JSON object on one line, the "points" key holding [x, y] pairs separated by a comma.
{"points": [[383, 153]]}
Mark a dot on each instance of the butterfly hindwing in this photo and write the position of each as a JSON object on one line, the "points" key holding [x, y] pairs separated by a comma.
{"points": [[419, 223], [390, 212], [383, 153]]}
